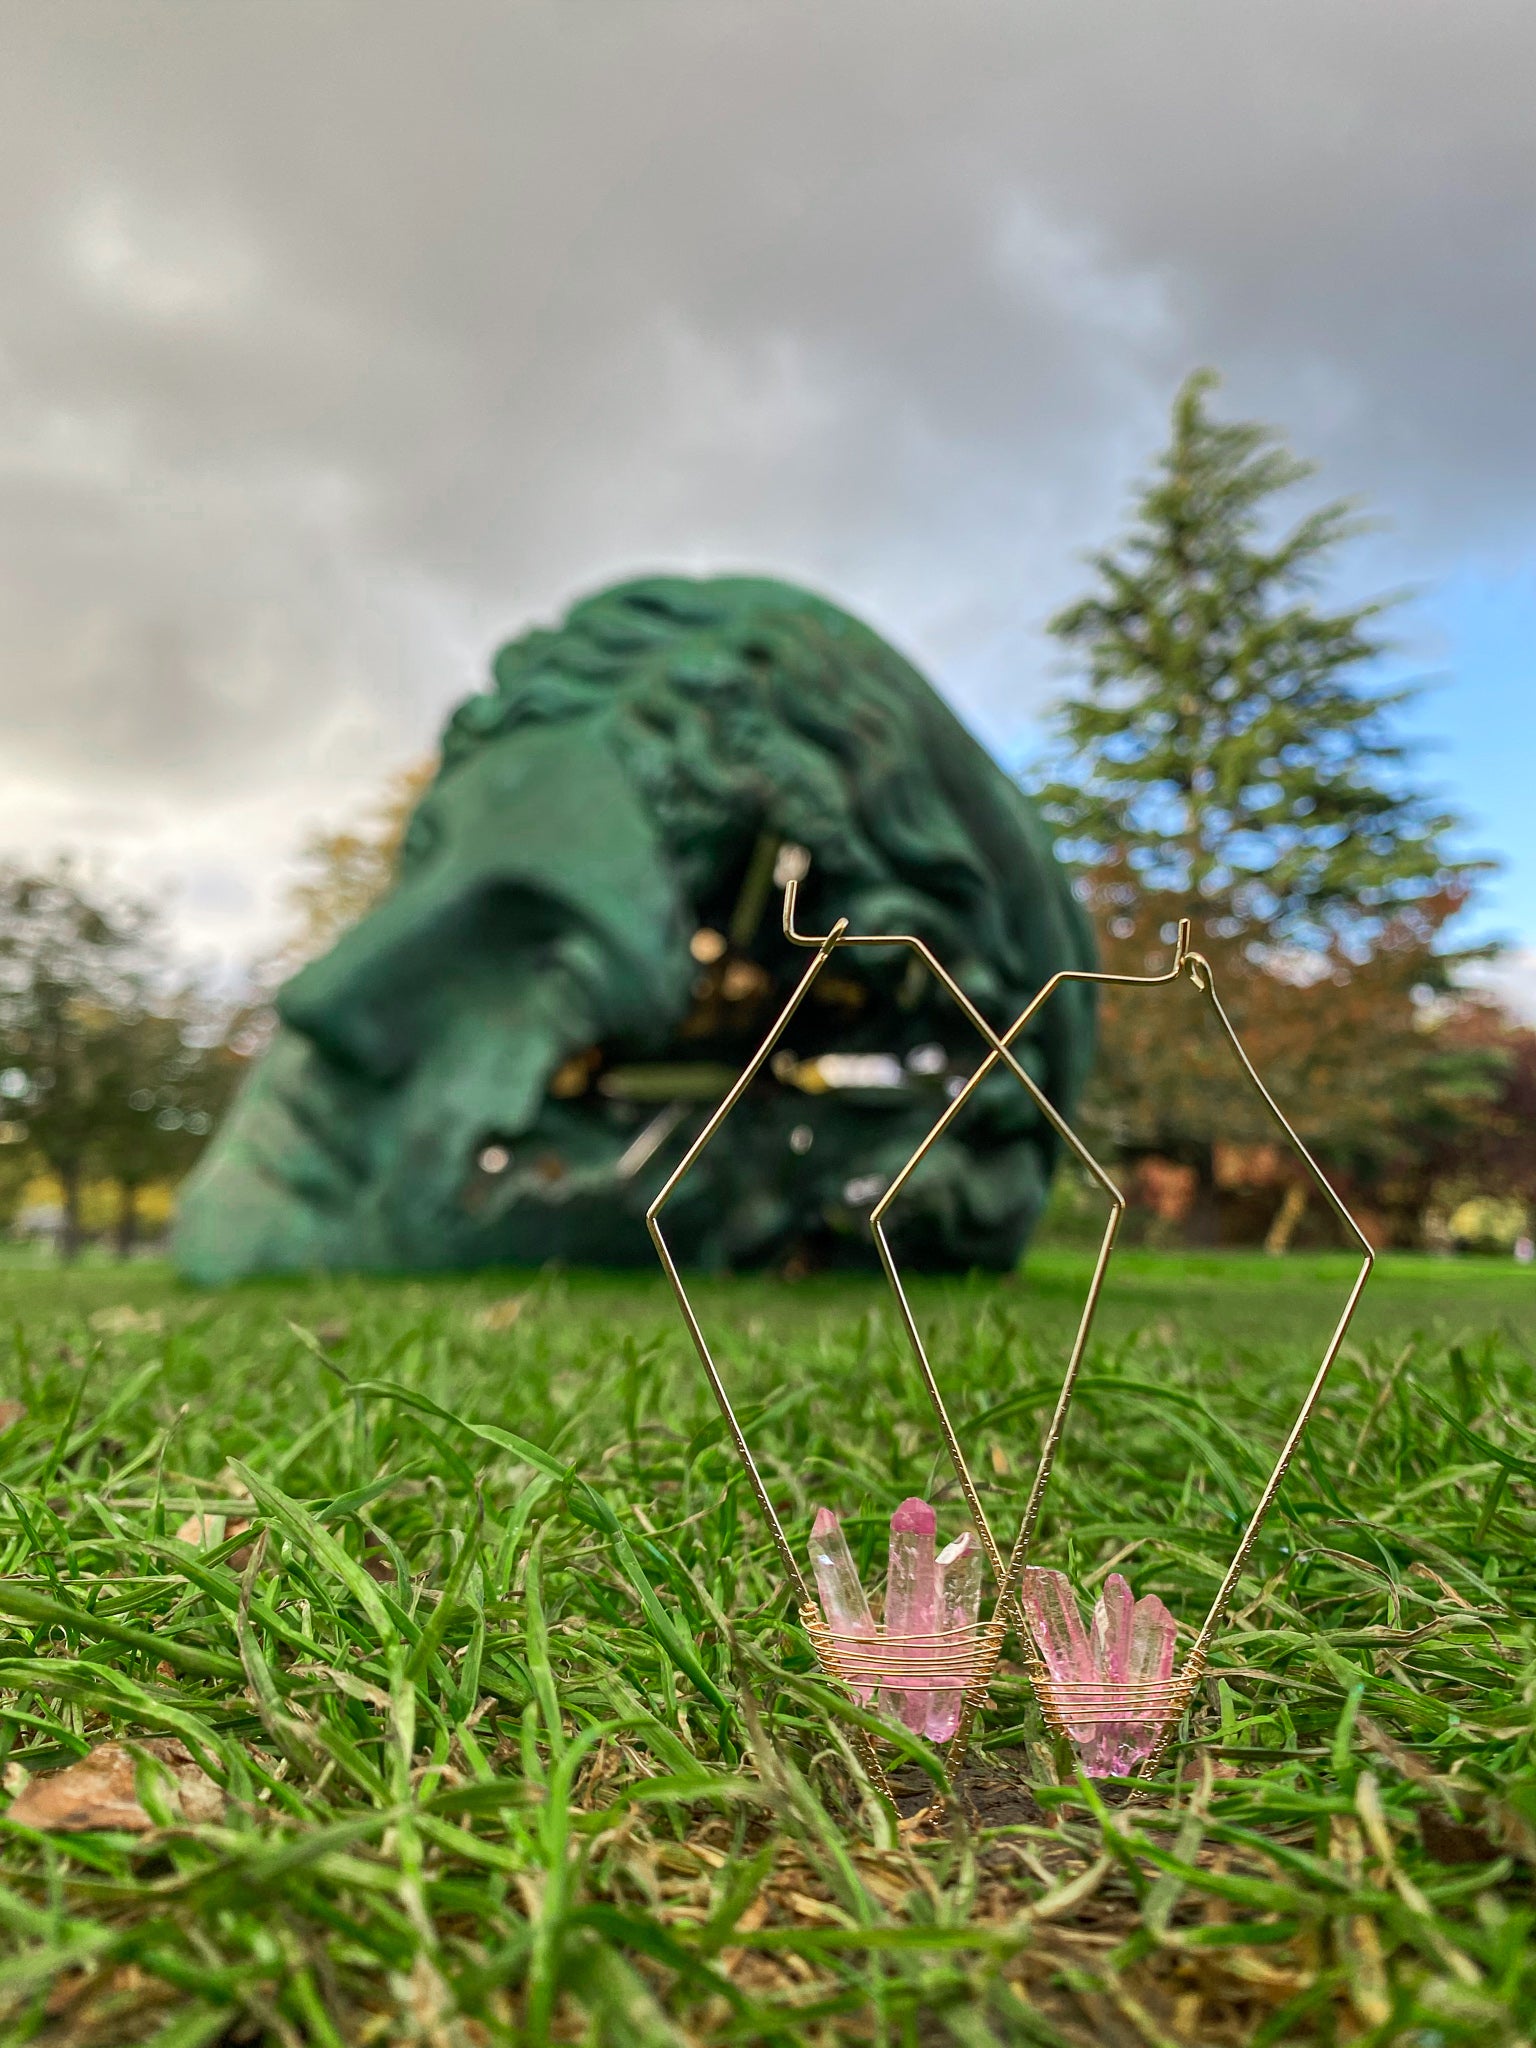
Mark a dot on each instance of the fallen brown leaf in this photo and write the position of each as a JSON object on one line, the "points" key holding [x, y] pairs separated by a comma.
{"points": [[11, 1413], [501, 1315], [804, 1907], [107, 2005], [207, 1532], [1454, 1841], [99, 1791], [66, 1989], [117, 1322]]}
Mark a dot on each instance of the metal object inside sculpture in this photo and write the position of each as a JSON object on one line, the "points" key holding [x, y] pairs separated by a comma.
{"points": [[501, 1061]]}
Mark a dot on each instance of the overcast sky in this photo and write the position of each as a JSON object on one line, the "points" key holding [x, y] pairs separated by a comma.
{"points": [[341, 338]]}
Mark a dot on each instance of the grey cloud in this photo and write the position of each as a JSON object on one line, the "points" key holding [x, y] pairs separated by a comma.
{"points": [[339, 337]]}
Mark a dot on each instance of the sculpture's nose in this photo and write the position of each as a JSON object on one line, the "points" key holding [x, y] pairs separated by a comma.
{"points": [[532, 847], [365, 1005]]}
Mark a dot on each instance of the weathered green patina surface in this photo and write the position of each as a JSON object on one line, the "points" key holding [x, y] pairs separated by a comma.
{"points": [[500, 1062]]}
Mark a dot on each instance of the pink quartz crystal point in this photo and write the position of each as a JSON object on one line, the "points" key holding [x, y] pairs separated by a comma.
{"points": [[1134, 1641], [1149, 1662], [1110, 1647], [1110, 1641], [1130, 1648], [958, 1568], [1153, 1630], [1050, 1608], [843, 1599], [912, 1604]]}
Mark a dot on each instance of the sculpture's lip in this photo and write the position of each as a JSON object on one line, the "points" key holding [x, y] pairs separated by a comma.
{"points": [[314, 1141], [543, 1172], [318, 1139]]}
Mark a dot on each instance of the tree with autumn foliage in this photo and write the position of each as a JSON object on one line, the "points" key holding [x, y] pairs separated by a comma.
{"points": [[1228, 758], [1480, 1153], [344, 872]]}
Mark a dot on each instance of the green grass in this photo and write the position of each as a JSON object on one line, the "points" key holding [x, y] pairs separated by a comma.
{"points": [[517, 1742]]}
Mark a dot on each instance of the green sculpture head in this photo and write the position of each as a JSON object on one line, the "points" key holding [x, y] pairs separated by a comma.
{"points": [[500, 1062]]}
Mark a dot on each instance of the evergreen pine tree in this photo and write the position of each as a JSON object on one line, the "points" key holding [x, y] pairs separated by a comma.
{"points": [[1227, 752], [1227, 758]]}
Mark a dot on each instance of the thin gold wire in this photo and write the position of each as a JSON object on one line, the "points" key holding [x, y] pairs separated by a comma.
{"points": [[953, 1658], [1000, 1050], [960, 1664], [1056, 1695]]}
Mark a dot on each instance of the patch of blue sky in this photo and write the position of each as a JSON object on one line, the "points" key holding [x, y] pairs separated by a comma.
{"points": [[1477, 724]]}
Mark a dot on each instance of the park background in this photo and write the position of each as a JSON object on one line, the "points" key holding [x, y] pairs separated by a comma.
{"points": [[418, 1631], [335, 354]]}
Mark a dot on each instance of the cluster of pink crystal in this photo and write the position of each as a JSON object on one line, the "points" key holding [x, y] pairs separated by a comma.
{"points": [[1108, 1682], [930, 1601]]}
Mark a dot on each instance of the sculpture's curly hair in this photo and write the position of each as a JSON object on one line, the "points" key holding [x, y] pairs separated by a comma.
{"points": [[741, 704], [743, 707]]}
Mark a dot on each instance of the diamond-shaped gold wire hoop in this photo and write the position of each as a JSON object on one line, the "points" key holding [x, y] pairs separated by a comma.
{"points": [[1068, 1705], [964, 1659]]}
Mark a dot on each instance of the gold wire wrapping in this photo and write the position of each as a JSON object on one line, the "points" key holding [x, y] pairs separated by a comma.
{"points": [[966, 1659], [939, 1660], [1070, 1704], [1079, 1708]]}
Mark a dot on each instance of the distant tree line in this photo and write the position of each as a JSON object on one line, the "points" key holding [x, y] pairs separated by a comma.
{"points": [[1224, 754], [113, 1068]]}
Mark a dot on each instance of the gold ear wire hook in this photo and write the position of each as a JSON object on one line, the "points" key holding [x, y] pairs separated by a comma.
{"points": [[1187, 960], [789, 871]]}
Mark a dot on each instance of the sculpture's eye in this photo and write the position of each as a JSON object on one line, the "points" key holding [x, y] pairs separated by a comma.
{"points": [[420, 842]]}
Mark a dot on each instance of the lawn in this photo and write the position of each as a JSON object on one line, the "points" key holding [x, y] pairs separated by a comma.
{"points": [[492, 1725]]}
